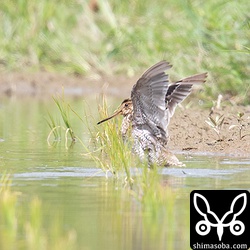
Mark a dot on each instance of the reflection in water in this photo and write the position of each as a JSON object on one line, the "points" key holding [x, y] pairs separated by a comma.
{"points": [[100, 212]]}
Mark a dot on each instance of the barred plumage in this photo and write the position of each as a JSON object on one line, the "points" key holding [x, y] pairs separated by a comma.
{"points": [[152, 104]]}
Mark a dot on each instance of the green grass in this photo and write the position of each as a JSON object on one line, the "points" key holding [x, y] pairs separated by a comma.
{"points": [[16, 221], [105, 146], [127, 37], [150, 209], [55, 127], [152, 205]]}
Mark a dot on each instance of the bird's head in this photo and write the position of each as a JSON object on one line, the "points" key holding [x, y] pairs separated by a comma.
{"points": [[125, 109]]}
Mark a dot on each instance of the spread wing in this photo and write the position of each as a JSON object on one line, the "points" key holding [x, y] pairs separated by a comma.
{"points": [[178, 91], [148, 97]]}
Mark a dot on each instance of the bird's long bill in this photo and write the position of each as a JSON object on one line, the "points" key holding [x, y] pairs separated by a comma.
{"points": [[117, 112]]}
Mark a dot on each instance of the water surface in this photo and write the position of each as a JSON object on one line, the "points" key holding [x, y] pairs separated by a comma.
{"points": [[102, 212]]}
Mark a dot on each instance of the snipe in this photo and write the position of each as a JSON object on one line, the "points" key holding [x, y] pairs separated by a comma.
{"points": [[152, 104]]}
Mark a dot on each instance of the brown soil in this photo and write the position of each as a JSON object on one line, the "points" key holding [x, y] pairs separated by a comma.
{"points": [[189, 131], [188, 128], [46, 84]]}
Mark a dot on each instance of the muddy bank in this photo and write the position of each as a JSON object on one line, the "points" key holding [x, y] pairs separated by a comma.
{"points": [[189, 131], [46, 84], [192, 131]]}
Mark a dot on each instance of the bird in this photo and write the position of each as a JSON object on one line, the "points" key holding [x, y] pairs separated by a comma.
{"points": [[149, 109]]}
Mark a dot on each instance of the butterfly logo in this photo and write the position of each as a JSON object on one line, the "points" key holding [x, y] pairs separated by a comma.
{"points": [[203, 227]]}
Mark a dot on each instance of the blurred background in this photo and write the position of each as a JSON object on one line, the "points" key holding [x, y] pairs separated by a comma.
{"points": [[74, 191], [101, 37]]}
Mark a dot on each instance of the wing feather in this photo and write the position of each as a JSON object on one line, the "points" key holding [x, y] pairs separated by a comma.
{"points": [[148, 97], [179, 90]]}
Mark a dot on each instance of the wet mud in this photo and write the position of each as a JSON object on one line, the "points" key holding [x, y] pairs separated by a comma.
{"points": [[225, 131]]}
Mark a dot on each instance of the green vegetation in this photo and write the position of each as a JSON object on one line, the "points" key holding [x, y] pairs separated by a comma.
{"points": [[115, 155], [242, 124], [55, 127], [151, 211], [105, 146], [36, 232], [126, 37], [216, 123], [122, 37], [145, 200]]}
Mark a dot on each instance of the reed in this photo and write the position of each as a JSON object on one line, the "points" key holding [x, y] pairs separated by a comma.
{"points": [[115, 155], [55, 127]]}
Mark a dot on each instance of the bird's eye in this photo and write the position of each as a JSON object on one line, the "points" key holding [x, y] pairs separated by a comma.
{"points": [[126, 105]]}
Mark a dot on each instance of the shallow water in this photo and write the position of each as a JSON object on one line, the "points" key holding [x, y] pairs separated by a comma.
{"points": [[98, 208]]}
